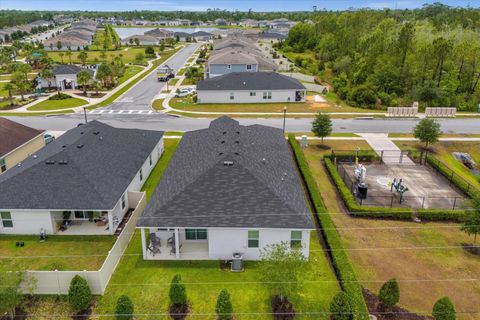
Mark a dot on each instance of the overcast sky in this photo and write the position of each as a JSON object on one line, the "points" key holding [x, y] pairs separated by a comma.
{"points": [[201, 5]]}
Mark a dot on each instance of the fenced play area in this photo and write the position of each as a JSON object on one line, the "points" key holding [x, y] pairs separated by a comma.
{"points": [[374, 183]]}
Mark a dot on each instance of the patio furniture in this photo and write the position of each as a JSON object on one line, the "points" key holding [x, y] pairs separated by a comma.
{"points": [[174, 250], [155, 244], [171, 241]]}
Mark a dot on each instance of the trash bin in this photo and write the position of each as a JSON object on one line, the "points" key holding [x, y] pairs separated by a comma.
{"points": [[362, 191]]}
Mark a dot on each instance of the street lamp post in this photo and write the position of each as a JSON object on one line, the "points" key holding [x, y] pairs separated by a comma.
{"points": [[284, 117], [85, 114]]}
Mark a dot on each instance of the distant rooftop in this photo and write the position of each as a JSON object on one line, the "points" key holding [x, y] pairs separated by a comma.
{"points": [[13, 135]]}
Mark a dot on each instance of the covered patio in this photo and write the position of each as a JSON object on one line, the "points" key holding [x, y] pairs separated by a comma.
{"points": [[173, 244]]}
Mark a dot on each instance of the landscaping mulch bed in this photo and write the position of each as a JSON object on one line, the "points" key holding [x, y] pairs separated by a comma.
{"points": [[382, 312], [282, 308], [92, 95], [178, 312]]}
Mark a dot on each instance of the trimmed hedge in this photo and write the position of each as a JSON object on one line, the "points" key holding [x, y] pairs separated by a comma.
{"points": [[341, 263], [387, 213]]}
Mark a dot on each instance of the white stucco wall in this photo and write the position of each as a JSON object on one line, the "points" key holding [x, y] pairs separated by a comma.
{"points": [[210, 96], [29, 222], [222, 243]]}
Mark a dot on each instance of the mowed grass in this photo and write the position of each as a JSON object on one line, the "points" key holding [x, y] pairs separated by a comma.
{"points": [[443, 151], [130, 71], [292, 107], [147, 284], [57, 252], [58, 104], [127, 54], [369, 240]]}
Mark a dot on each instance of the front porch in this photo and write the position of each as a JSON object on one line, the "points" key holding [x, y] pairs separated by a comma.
{"points": [[86, 227], [173, 244]]}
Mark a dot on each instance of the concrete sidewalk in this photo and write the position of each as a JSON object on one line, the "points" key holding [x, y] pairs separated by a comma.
{"points": [[384, 147]]}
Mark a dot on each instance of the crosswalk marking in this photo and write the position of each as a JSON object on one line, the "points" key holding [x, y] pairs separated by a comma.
{"points": [[122, 112]]}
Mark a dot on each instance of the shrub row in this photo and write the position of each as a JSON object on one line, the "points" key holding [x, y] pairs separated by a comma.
{"points": [[341, 263], [448, 173], [387, 213]]}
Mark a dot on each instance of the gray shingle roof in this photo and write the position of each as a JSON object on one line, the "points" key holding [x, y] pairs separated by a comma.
{"points": [[261, 189], [250, 81], [67, 69], [101, 163]]}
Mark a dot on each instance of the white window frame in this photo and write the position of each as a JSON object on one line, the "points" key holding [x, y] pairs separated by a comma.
{"points": [[253, 94], [267, 95], [141, 174], [124, 203], [232, 95], [295, 242], [229, 66], [249, 67], [3, 165], [6, 219], [150, 159]]}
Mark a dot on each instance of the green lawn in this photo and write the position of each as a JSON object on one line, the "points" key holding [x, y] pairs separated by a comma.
{"points": [[58, 104], [129, 72], [58, 252], [147, 284], [128, 55]]}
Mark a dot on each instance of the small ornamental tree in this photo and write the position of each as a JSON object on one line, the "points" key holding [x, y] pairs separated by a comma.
{"points": [[443, 309], [471, 225], [79, 294], [149, 51], [340, 308], [389, 293], [124, 309], [178, 293], [427, 131], [224, 308], [10, 293], [322, 125]]}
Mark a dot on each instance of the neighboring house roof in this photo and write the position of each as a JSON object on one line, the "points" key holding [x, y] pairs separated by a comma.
{"points": [[202, 34], [232, 57], [182, 34], [13, 135], [261, 189], [159, 33], [272, 35], [87, 168], [142, 38], [250, 81], [70, 69]]}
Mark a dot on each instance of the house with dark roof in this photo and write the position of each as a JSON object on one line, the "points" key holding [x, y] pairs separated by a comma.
{"points": [[83, 183], [64, 77], [250, 87], [203, 36], [17, 143], [228, 189]]}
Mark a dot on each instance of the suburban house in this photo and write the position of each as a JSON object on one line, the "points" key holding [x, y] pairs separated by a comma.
{"points": [[65, 77], [202, 36], [78, 36], [183, 36], [237, 54], [250, 87], [228, 189], [83, 183], [160, 34], [17, 142]]}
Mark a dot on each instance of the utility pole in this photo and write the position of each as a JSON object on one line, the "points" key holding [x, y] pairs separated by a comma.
{"points": [[85, 114], [284, 117]]}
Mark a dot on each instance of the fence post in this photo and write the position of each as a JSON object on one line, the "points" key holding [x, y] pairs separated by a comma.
{"points": [[361, 201], [423, 202], [401, 157], [454, 203], [391, 202], [381, 156]]}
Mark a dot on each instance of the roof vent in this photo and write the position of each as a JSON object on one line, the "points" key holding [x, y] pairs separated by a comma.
{"points": [[50, 162], [101, 138], [34, 156], [224, 132], [228, 163], [220, 154], [222, 142], [237, 154], [244, 83], [64, 162], [81, 132], [237, 141], [80, 146], [96, 132], [64, 146], [264, 160]]}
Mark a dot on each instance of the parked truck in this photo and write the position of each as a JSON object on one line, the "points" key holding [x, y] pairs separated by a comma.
{"points": [[165, 73]]}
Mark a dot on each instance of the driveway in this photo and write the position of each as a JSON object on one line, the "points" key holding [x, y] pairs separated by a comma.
{"points": [[140, 96]]}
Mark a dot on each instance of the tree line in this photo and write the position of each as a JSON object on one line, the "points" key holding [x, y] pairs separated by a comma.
{"points": [[392, 58]]}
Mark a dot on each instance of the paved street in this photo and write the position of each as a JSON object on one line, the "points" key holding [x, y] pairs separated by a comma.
{"points": [[141, 95], [157, 121]]}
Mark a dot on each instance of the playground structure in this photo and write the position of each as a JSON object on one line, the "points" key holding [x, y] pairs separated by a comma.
{"points": [[399, 188]]}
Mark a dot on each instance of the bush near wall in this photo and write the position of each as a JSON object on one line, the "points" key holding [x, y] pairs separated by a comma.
{"points": [[387, 213], [341, 263]]}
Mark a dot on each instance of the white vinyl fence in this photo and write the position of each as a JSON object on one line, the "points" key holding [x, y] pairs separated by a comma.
{"points": [[58, 282]]}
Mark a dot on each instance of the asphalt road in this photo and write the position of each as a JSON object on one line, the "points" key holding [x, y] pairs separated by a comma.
{"points": [[169, 123], [141, 95]]}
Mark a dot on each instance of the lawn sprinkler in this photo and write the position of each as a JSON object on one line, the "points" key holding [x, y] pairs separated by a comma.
{"points": [[399, 187]]}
